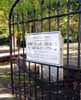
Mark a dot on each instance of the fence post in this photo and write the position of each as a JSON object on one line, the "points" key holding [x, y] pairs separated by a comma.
{"points": [[10, 43]]}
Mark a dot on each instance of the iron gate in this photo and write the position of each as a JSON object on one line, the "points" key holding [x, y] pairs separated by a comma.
{"points": [[26, 84]]}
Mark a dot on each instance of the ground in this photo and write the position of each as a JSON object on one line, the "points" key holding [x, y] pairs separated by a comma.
{"points": [[5, 91]]}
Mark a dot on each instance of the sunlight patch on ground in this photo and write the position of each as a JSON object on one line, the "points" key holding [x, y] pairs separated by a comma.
{"points": [[5, 66], [6, 95]]}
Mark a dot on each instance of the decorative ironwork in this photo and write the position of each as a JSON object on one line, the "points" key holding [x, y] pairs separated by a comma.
{"points": [[27, 81]]}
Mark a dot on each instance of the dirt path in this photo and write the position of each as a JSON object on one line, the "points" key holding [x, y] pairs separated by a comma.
{"points": [[5, 92]]}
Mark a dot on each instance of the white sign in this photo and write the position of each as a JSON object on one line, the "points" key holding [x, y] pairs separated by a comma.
{"points": [[45, 47]]}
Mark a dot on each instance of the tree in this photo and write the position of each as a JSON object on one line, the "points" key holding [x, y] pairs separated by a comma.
{"points": [[30, 6]]}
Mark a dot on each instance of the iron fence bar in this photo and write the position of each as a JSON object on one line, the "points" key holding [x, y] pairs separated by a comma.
{"points": [[68, 30], [49, 82], [58, 13], [19, 81], [79, 38], [79, 42], [29, 63], [51, 17], [10, 40], [78, 60], [42, 91], [41, 7], [13, 39], [28, 13], [29, 74], [13, 48], [57, 83], [71, 67], [18, 33], [13, 34], [35, 84], [30, 81], [58, 29], [11, 63], [23, 45], [23, 30], [33, 23], [49, 12]]}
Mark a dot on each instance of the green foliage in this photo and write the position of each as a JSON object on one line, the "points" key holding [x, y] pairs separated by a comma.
{"points": [[26, 6], [75, 4]]}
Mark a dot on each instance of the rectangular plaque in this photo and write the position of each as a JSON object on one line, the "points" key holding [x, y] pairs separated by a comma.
{"points": [[45, 47]]}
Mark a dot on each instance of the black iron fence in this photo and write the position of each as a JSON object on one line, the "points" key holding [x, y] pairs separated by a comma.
{"points": [[27, 81]]}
